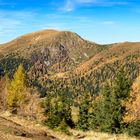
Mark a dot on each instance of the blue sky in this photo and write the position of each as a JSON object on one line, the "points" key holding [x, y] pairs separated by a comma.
{"points": [[101, 21]]}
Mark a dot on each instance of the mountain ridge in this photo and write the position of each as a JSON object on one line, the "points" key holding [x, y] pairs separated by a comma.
{"points": [[64, 56], [51, 51]]}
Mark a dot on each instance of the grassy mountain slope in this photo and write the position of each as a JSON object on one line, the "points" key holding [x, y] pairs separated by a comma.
{"points": [[114, 53], [51, 51], [53, 40], [61, 57]]}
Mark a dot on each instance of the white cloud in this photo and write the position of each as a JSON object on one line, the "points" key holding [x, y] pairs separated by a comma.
{"points": [[103, 2], [70, 5], [107, 22], [86, 1]]}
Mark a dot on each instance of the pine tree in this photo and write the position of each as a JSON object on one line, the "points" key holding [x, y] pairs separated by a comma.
{"points": [[108, 113], [58, 113], [84, 107], [16, 90], [97, 117]]}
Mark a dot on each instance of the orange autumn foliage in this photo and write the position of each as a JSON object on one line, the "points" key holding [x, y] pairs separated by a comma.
{"points": [[133, 104]]}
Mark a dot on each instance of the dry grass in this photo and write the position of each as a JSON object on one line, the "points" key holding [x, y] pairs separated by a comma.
{"points": [[91, 135], [76, 135]]}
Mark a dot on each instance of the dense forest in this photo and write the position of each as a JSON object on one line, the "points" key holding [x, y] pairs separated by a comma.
{"points": [[105, 110]]}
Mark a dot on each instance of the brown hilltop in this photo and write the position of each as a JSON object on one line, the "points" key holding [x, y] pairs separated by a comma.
{"points": [[58, 51], [76, 46], [28, 39]]}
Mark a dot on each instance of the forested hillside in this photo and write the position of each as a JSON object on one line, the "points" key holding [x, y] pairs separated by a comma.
{"points": [[67, 82]]}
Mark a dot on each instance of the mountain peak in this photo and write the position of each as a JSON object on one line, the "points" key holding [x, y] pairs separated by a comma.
{"points": [[44, 38], [52, 47]]}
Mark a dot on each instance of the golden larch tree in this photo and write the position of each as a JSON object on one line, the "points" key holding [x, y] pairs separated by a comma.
{"points": [[16, 89]]}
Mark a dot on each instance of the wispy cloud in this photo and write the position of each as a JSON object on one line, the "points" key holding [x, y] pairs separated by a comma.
{"points": [[12, 22], [8, 22], [103, 2], [86, 1], [108, 22], [2, 3], [70, 5]]}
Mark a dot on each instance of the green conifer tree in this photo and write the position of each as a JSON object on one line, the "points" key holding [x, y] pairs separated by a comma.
{"points": [[59, 113], [84, 107], [108, 113]]}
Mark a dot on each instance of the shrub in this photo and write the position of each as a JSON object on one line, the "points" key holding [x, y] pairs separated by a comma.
{"points": [[31, 107], [133, 128], [63, 127]]}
